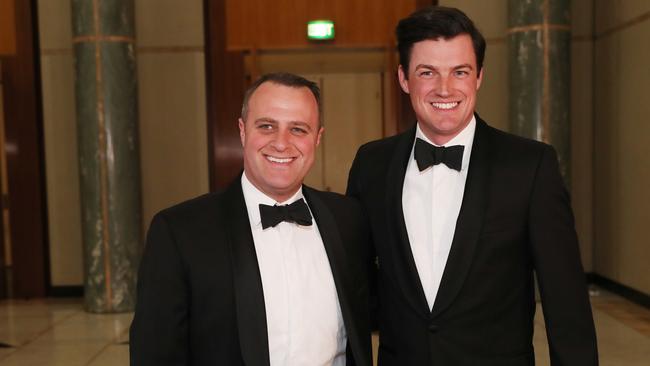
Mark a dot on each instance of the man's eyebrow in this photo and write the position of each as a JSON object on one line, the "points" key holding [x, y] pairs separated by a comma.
{"points": [[431, 67], [462, 66], [424, 66], [302, 124], [265, 120]]}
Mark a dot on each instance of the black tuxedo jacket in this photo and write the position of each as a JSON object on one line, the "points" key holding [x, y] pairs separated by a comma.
{"points": [[200, 299], [515, 219]]}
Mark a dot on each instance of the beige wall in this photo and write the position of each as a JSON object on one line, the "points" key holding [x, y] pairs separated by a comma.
{"points": [[171, 82], [173, 140], [582, 127], [622, 148], [59, 124]]}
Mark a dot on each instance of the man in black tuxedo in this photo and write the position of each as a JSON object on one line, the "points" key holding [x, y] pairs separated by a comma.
{"points": [[462, 215], [246, 277]]}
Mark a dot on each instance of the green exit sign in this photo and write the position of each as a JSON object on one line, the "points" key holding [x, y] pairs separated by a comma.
{"points": [[320, 29]]}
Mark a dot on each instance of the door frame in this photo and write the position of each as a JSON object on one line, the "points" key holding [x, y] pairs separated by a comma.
{"points": [[27, 251]]}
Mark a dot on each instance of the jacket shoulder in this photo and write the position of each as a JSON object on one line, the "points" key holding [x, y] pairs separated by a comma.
{"points": [[508, 145], [382, 146], [337, 202], [194, 210]]}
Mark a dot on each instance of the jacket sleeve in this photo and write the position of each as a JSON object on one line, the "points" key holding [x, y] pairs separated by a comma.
{"points": [[353, 189], [554, 245], [159, 331]]}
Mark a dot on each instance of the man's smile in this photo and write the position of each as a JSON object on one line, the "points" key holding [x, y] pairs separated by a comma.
{"points": [[279, 160], [445, 106]]}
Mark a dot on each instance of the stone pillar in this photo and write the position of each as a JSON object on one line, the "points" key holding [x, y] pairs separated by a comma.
{"points": [[539, 40], [109, 158]]}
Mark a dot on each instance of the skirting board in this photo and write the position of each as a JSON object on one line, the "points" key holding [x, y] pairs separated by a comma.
{"points": [[626, 292]]}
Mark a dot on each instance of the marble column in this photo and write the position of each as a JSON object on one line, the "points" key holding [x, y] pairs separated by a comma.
{"points": [[539, 40], [109, 158]]}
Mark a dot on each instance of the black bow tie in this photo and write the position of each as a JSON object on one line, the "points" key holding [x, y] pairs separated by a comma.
{"points": [[297, 212], [427, 155]]}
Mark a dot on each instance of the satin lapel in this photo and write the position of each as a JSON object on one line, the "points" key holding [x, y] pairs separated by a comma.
{"points": [[469, 223], [339, 263], [403, 263], [249, 296]]}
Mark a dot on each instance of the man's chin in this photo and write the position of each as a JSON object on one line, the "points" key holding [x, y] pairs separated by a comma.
{"points": [[283, 188]]}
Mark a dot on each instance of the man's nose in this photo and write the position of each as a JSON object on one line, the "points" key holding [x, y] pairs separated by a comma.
{"points": [[281, 140], [443, 86]]}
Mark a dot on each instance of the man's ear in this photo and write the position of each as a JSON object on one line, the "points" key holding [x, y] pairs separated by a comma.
{"points": [[403, 79], [242, 131], [479, 79], [319, 135]]}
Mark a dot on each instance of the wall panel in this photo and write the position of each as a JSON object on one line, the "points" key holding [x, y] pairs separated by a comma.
{"points": [[582, 133], [622, 151], [60, 139], [171, 93], [264, 24], [7, 28]]}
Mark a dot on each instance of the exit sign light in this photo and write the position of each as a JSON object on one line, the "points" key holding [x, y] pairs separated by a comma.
{"points": [[320, 29]]}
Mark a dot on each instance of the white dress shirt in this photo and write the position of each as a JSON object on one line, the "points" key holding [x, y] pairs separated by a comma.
{"points": [[431, 201], [303, 316]]}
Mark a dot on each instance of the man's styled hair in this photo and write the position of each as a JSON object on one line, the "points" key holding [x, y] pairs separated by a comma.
{"points": [[285, 79], [435, 22]]}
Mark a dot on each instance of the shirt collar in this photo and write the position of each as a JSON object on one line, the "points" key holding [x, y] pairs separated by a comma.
{"points": [[254, 197], [464, 137]]}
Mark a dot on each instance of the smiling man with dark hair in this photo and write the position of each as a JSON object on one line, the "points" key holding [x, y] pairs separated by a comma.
{"points": [[462, 215]]}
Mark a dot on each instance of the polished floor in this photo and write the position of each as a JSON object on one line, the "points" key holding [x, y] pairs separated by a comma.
{"points": [[59, 332]]}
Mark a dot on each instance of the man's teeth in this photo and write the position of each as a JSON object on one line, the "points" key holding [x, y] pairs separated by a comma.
{"points": [[445, 105], [279, 160]]}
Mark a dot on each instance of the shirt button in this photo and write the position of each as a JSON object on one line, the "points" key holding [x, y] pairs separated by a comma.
{"points": [[433, 328]]}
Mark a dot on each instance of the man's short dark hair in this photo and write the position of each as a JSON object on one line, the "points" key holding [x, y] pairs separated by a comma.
{"points": [[435, 22], [285, 79]]}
